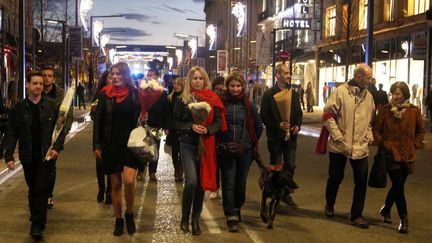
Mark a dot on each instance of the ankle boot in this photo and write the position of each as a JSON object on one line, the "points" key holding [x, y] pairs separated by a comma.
{"points": [[118, 229], [130, 223], [108, 199], [403, 226], [196, 230], [100, 196], [385, 212], [184, 225]]}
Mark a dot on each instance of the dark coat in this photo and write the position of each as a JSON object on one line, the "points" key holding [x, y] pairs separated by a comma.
{"points": [[103, 118], [159, 115], [271, 118], [235, 117], [400, 137], [182, 122], [172, 139], [19, 129]]}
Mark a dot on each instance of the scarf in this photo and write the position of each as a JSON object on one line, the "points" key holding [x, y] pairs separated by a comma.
{"points": [[120, 93], [249, 119], [208, 159], [321, 146], [399, 109]]}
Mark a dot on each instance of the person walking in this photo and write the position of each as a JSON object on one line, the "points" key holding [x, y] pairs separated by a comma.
{"points": [[276, 129], [428, 104], [310, 99], [158, 119], [197, 89], [104, 188], [173, 136], [31, 124], [55, 92], [116, 116], [382, 98], [81, 93], [244, 126], [399, 128], [351, 110]]}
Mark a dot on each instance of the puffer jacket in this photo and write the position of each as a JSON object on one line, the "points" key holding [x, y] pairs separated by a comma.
{"points": [[351, 132], [400, 137]]}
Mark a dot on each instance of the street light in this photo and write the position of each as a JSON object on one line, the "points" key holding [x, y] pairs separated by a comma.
{"points": [[91, 74], [65, 51]]}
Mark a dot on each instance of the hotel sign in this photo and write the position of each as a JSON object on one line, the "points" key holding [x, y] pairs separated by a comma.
{"points": [[288, 23]]}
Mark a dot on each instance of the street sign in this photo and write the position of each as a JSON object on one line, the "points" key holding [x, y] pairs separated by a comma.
{"points": [[76, 42], [284, 55]]}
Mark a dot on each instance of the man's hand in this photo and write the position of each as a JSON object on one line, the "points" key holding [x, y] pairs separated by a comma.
{"points": [[97, 153], [53, 154], [295, 129], [200, 129], [144, 118], [11, 165], [166, 131], [285, 126]]}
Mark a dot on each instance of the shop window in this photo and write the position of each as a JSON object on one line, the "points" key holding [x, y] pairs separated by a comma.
{"points": [[416, 7], [330, 29], [363, 11]]}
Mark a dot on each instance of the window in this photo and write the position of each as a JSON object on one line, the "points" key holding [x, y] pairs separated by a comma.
{"points": [[416, 7], [363, 14], [330, 21]]}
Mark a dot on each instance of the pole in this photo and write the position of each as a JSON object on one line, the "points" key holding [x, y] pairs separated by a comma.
{"points": [[20, 83], [64, 55], [91, 70], [76, 61], [273, 55], [369, 37]]}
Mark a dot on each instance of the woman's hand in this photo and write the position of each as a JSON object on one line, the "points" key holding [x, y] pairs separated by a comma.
{"points": [[97, 153], [200, 129], [144, 118]]}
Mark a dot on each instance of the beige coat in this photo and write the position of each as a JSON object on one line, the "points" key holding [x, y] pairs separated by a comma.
{"points": [[351, 132]]}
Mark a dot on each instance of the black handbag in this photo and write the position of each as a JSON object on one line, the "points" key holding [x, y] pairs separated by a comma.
{"points": [[232, 149], [378, 173]]}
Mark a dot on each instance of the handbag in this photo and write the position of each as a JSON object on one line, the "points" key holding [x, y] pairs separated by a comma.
{"points": [[234, 148], [142, 143], [378, 173]]}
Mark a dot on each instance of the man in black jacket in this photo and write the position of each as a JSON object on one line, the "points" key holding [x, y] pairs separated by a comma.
{"points": [[31, 124], [53, 91], [159, 117], [279, 149]]}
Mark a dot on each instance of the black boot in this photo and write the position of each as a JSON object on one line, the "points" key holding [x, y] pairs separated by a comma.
{"points": [[196, 230], [130, 223], [403, 225], [385, 212], [184, 225], [108, 200], [100, 196], [36, 232], [119, 225]]}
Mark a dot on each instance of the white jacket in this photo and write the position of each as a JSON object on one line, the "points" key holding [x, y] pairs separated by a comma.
{"points": [[351, 132]]}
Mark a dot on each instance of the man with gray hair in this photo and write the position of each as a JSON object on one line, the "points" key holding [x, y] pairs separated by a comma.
{"points": [[348, 114]]}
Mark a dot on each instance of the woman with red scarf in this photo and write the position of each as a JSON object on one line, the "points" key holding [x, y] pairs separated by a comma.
{"points": [[199, 168], [244, 126], [116, 116]]}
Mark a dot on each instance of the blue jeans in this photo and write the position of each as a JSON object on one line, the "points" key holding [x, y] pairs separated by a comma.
{"points": [[234, 173], [192, 191], [282, 152]]}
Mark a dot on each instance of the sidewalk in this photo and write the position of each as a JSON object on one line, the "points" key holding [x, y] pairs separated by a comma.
{"points": [[79, 117]]}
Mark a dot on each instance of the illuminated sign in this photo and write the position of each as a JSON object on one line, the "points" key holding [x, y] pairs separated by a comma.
{"points": [[211, 31], [85, 6], [296, 23], [239, 11], [98, 26]]}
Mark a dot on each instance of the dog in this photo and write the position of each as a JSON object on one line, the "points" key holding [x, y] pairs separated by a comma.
{"points": [[275, 183]]}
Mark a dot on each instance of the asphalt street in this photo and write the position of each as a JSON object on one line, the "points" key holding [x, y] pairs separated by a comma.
{"points": [[77, 217]]}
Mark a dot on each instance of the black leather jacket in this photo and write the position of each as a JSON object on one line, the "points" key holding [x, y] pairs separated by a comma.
{"points": [[19, 129], [103, 118]]}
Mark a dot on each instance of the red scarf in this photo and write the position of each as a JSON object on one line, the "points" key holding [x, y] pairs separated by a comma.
{"points": [[208, 159], [120, 93], [321, 146]]}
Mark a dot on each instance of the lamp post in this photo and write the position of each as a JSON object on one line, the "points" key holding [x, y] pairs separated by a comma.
{"points": [[65, 50], [91, 71]]}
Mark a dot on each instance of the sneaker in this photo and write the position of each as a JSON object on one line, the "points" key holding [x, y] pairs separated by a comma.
{"points": [[360, 222], [328, 211], [50, 203], [152, 177]]}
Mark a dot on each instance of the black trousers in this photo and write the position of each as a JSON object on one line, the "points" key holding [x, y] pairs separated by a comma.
{"points": [[101, 178], [52, 177], [336, 175], [396, 193], [38, 177]]}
